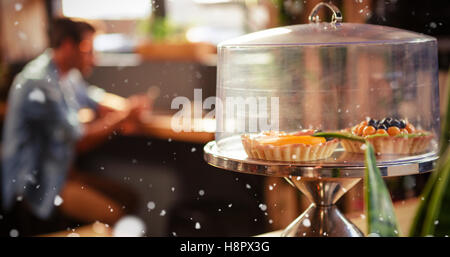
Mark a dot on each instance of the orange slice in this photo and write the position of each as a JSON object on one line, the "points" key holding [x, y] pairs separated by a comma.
{"points": [[290, 139]]}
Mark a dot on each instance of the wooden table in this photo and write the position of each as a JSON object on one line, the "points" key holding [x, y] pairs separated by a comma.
{"points": [[159, 126], [96, 229]]}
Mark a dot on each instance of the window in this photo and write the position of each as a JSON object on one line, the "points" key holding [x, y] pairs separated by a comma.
{"points": [[107, 9]]}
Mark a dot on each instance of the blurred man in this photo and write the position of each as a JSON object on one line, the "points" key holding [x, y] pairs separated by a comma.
{"points": [[42, 131]]}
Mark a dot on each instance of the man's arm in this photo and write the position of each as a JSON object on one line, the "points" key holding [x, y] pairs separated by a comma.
{"points": [[113, 112], [98, 130]]}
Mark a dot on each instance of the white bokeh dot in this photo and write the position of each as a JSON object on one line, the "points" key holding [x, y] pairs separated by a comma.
{"points": [[13, 233]]}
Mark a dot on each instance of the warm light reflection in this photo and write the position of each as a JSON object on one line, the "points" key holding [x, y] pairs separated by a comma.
{"points": [[114, 102], [107, 9], [212, 1], [209, 125], [86, 115], [254, 37]]}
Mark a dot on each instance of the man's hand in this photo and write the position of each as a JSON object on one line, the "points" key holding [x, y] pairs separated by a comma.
{"points": [[139, 104], [123, 115], [98, 130], [140, 109]]}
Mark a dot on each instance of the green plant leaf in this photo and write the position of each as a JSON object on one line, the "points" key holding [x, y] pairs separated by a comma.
{"points": [[381, 219], [432, 216], [424, 204], [437, 220], [445, 135]]}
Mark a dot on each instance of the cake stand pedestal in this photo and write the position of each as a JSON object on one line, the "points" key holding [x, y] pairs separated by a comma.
{"points": [[322, 218], [322, 182]]}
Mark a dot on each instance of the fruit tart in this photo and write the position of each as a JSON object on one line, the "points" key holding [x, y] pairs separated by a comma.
{"points": [[388, 136], [293, 147]]}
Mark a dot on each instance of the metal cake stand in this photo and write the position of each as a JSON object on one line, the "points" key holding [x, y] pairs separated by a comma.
{"points": [[322, 182]]}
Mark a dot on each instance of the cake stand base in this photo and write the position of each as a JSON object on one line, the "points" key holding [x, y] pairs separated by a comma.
{"points": [[322, 218], [320, 221]]}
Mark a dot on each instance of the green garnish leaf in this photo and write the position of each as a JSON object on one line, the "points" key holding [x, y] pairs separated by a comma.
{"points": [[421, 134], [377, 135], [343, 135]]}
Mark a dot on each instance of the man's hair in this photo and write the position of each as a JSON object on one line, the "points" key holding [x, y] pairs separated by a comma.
{"points": [[85, 27], [64, 28]]}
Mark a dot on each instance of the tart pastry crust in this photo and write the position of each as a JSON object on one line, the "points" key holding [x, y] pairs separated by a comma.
{"points": [[391, 145], [296, 152]]}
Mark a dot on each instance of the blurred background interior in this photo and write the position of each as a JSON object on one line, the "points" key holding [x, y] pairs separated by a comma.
{"points": [[170, 45]]}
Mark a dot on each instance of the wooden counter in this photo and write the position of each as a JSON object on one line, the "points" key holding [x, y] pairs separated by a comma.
{"points": [[96, 229], [159, 126]]}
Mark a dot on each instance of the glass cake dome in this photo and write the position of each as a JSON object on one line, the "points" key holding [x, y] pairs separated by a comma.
{"points": [[329, 77]]}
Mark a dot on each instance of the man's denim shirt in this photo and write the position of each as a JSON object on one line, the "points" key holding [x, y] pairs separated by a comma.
{"points": [[39, 136]]}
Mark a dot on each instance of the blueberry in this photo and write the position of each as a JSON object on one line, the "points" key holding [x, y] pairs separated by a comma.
{"points": [[387, 122], [382, 126], [395, 123], [402, 124], [372, 122], [378, 124]]}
